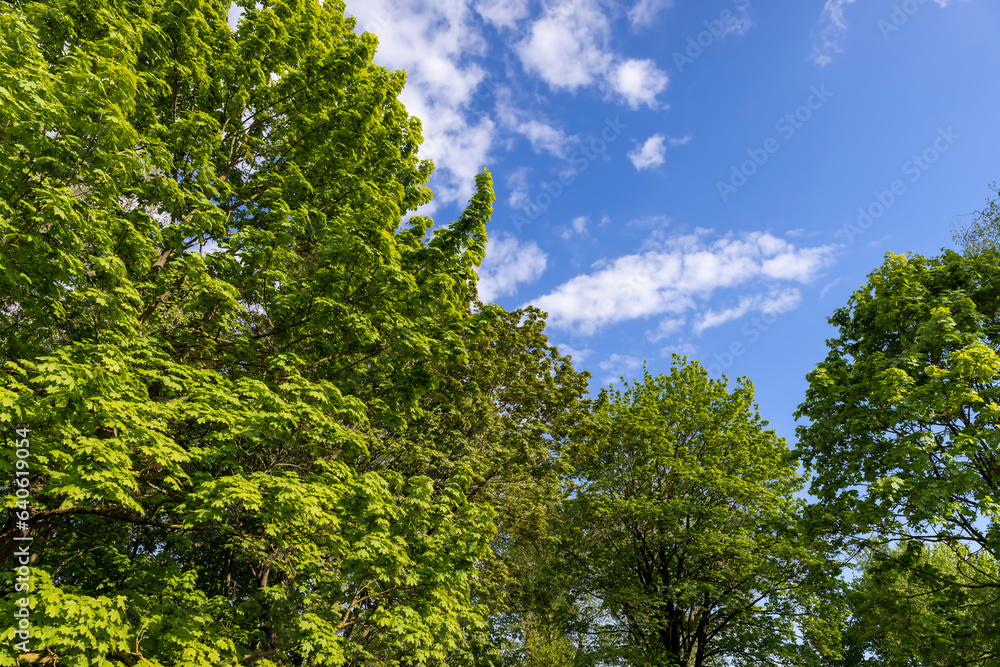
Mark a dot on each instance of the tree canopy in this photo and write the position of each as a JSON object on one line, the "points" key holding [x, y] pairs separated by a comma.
{"points": [[923, 605], [902, 440], [210, 309], [903, 412], [684, 516]]}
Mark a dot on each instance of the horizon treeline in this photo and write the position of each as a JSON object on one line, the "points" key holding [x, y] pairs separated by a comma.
{"points": [[254, 412]]}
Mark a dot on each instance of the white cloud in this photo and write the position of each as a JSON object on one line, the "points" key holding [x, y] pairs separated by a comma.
{"points": [[775, 302], [442, 46], [434, 43], [577, 225], [638, 82], [832, 32], [678, 275], [652, 153], [795, 265], [542, 135], [644, 12], [568, 47], [507, 264], [517, 182], [502, 13], [578, 355]]}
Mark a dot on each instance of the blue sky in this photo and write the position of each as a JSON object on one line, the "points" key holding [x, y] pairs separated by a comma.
{"points": [[710, 178]]}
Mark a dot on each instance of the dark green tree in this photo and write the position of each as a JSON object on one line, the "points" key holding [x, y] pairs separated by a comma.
{"points": [[923, 606], [501, 414], [686, 530]]}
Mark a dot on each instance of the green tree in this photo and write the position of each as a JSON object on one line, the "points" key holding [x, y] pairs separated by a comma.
{"points": [[923, 606], [902, 439], [210, 313], [902, 434], [685, 517], [500, 414]]}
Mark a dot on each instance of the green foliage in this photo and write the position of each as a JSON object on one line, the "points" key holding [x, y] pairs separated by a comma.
{"points": [[903, 413], [902, 440], [685, 527], [924, 606], [210, 314], [501, 415]]}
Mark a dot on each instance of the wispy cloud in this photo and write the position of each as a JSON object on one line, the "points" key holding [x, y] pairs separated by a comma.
{"points": [[652, 153], [677, 276], [831, 33], [577, 227], [577, 354], [775, 301], [509, 263], [644, 12], [541, 133], [517, 183], [618, 365], [829, 286], [682, 349], [667, 327]]}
